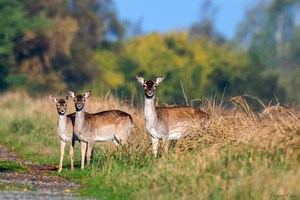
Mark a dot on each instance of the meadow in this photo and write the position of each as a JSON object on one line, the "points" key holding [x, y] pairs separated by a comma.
{"points": [[246, 152]]}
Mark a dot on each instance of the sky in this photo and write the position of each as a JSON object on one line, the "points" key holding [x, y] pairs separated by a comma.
{"points": [[169, 15]]}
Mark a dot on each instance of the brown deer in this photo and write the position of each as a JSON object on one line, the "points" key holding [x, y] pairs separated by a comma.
{"points": [[168, 123], [110, 125], [64, 129]]}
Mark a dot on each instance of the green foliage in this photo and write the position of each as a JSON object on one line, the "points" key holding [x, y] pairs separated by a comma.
{"points": [[14, 24], [50, 46], [53, 56], [11, 166], [271, 34], [196, 67]]}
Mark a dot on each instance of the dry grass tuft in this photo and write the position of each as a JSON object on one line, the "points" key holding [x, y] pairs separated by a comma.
{"points": [[234, 123]]}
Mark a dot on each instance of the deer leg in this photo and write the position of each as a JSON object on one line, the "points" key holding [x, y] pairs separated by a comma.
{"points": [[116, 141], [62, 150], [165, 145], [121, 136], [124, 141], [89, 152], [72, 144], [82, 152], [154, 145]]}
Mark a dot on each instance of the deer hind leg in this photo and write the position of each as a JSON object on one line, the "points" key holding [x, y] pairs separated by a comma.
{"points": [[116, 141], [89, 152], [72, 144], [82, 152], [121, 136], [62, 151], [165, 145]]}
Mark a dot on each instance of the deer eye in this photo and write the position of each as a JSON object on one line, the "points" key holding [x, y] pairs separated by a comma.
{"points": [[154, 87], [144, 86], [65, 105], [83, 100], [75, 100]]}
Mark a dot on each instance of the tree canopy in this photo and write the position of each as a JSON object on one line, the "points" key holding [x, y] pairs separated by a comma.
{"points": [[60, 45]]}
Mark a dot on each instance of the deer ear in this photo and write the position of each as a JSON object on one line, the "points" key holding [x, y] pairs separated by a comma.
{"points": [[53, 99], [159, 80], [87, 94], [140, 80], [71, 94]]}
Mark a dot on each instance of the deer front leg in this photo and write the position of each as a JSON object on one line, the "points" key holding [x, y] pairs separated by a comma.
{"points": [[82, 152], [62, 150], [89, 152], [72, 144], [154, 145]]}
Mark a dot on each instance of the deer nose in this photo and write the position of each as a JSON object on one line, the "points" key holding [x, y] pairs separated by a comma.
{"points": [[149, 93], [62, 110]]}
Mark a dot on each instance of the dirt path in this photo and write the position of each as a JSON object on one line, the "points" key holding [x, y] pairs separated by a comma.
{"points": [[47, 187]]}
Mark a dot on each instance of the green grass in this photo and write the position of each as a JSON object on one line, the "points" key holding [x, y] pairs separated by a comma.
{"points": [[35, 138], [16, 187], [237, 158], [11, 166], [230, 175]]}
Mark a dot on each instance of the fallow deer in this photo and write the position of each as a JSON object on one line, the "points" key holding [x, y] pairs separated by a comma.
{"points": [[110, 125], [167, 123], [64, 129]]}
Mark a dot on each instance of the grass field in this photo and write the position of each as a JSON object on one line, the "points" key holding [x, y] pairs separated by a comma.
{"points": [[241, 155]]}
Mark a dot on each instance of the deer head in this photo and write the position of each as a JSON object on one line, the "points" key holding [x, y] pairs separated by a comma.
{"points": [[150, 86], [61, 104], [79, 99]]}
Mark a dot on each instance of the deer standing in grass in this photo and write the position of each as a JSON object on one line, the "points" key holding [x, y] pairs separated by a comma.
{"points": [[110, 125], [169, 123], [64, 129]]}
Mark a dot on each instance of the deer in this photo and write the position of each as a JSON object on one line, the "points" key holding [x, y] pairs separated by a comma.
{"points": [[167, 123], [65, 129], [109, 125]]}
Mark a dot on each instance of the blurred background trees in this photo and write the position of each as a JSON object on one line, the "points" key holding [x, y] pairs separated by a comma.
{"points": [[270, 33], [58, 45]]}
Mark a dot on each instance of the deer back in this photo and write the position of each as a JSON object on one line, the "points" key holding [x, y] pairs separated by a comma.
{"points": [[170, 118], [105, 124]]}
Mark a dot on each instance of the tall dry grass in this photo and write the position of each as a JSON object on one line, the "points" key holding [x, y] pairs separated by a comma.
{"points": [[242, 153], [233, 122]]}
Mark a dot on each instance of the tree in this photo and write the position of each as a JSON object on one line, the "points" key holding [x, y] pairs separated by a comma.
{"points": [[54, 42], [269, 32], [205, 27], [197, 67], [14, 24]]}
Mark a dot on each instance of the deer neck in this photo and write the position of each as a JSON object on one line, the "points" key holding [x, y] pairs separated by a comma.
{"points": [[62, 123], [79, 120], [150, 111]]}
